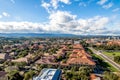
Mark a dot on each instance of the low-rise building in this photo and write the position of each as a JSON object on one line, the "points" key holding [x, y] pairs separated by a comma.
{"points": [[79, 57], [77, 46], [4, 56], [94, 77], [3, 75], [49, 59], [61, 53], [49, 74]]}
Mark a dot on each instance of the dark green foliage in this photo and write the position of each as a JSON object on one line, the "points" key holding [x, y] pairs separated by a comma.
{"points": [[20, 64], [107, 47], [81, 74], [14, 75], [110, 76], [84, 44], [117, 59], [29, 75], [53, 50], [23, 53]]}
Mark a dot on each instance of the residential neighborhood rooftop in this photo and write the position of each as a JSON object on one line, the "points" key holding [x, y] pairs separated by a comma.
{"points": [[49, 74]]}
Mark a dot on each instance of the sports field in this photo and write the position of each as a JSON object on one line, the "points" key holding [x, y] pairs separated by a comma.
{"points": [[112, 54]]}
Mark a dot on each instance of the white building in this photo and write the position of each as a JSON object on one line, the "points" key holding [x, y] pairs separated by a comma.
{"points": [[49, 74]]}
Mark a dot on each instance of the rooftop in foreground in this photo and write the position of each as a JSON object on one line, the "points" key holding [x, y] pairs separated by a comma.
{"points": [[48, 74]]}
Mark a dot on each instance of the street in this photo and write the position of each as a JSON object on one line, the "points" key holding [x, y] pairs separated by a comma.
{"points": [[114, 64]]}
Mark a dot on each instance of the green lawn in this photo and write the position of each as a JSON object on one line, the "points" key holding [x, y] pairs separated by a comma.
{"points": [[112, 54], [105, 64], [113, 69]]}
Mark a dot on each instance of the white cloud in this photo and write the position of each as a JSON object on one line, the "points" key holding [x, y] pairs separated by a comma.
{"points": [[5, 14], [46, 6], [116, 9], [20, 27], [104, 5], [93, 25], [84, 3], [101, 2], [53, 4], [12, 1], [109, 5], [62, 22], [65, 1], [61, 17]]}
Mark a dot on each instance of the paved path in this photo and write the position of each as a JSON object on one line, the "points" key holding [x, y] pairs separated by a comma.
{"points": [[114, 64]]}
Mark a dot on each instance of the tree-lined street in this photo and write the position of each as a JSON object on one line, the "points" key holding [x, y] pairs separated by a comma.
{"points": [[107, 59]]}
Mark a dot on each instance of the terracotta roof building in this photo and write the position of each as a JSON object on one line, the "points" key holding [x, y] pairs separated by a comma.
{"points": [[80, 57], [4, 56], [46, 60], [77, 46], [3, 75], [94, 77]]}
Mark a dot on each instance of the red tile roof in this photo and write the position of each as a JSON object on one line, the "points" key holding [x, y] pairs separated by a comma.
{"points": [[79, 56], [94, 77], [2, 73], [77, 46], [82, 61]]}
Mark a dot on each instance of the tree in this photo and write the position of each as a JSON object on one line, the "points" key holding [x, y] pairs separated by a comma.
{"points": [[84, 44], [117, 59], [1, 47], [85, 70], [20, 64], [82, 74], [14, 75], [28, 75], [110, 76]]}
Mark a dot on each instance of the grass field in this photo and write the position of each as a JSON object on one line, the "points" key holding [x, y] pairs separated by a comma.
{"points": [[105, 64], [112, 54]]}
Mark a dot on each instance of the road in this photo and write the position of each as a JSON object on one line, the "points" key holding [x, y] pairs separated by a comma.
{"points": [[114, 64]]}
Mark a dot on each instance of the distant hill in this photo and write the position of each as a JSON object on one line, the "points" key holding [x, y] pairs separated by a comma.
{"points": [[50, 35], [35, 35]]}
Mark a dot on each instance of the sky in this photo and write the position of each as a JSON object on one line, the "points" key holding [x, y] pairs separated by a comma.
{"points": [[80, 17]]}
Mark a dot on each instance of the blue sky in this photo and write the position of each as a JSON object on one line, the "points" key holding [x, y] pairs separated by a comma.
{"points": [[60, 16]]}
